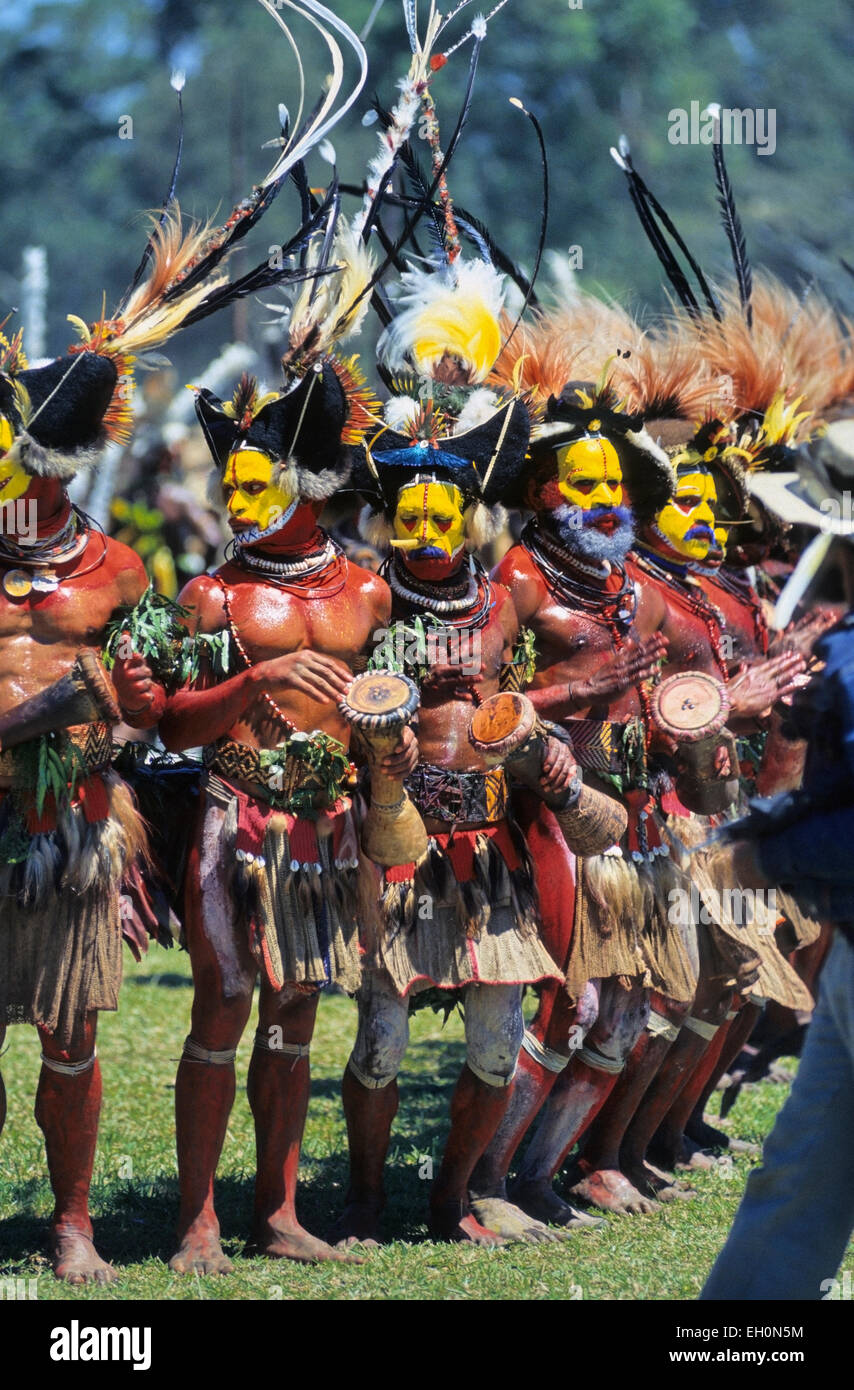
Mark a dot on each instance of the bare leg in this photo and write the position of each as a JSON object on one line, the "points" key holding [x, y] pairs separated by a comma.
{"points": [[708, 1013], [545, 1055], [576, 1101], [494, 1032], [278, 1087], [603, 1147], [370, 1115], [204, 1089], [476, 1111], [67, 1111], [695, 1127]]}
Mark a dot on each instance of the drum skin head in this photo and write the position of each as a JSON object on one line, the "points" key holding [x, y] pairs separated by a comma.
{"points": [[378, 698], [502, 723], [690, 705]]}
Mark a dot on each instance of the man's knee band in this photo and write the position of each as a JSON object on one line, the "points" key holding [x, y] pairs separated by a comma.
{"points": [[264, 1043], [70, 1068], [370, 1083], [194, 1052], [546, 1056], [599, 1061], [491, 1078], [661, 1027], [701, 1027]]}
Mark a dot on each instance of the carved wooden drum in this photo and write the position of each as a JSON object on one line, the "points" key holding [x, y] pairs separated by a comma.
{"points": [[692, 709], [506, 729], [378, 705]]}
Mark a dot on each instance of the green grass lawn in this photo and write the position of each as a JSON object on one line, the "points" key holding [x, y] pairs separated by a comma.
{"points": [[134, 1198]]}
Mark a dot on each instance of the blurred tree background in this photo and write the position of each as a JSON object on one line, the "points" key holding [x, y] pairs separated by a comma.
{"points": [[72, 70]]}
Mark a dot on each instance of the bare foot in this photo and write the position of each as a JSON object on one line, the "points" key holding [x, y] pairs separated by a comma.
{"points": [[698, 1158], [609, 1190], [200, 1252], [451, 1221], [653, 1183], [540, 1200], [358, 1224], [500, 1216], [75, 1259], [292, 1242]]}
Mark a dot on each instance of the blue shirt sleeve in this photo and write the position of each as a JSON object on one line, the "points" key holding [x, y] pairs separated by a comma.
{"points": [[821, 847]]}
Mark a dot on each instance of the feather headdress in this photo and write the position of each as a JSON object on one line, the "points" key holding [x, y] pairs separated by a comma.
{"points": [[81, 401], [574, 361]]}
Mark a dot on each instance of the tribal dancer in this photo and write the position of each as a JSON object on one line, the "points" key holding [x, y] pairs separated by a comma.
{"points": [[464, 917], [599, 638], [732, 955], [69, 828]]}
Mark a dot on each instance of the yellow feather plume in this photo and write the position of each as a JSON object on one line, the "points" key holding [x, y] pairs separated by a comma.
{"points": [[452, 313]]}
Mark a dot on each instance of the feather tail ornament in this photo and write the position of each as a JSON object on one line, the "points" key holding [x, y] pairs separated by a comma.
{"points": [[730, 218]]}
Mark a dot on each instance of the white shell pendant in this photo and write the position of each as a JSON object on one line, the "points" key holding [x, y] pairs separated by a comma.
{"points": [[45, 583]]}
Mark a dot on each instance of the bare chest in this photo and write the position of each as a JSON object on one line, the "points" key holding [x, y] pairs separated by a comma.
{"points": [[269, 622]]}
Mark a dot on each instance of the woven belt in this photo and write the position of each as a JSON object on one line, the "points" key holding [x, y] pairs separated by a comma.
{"points": [[600, 745], [448, 795], [239, 762], [94, 742]]}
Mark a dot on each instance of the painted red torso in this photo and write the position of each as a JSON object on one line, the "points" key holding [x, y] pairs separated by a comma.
{"points": [[445, 714], [571, 643], [41, 634], [271, 622]]}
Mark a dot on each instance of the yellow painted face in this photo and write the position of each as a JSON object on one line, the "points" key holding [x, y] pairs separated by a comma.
{"points": [[250, 495], [14, 479], [722, 536], [589, 474], [431, 514], [691, 508]]}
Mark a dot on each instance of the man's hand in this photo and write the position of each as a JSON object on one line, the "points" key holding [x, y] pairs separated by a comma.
{"points": [[802, 633], [141, 698], [635, 663], [451, 679], [315, 674], [756, 688], [403, 759], [559, 768]]}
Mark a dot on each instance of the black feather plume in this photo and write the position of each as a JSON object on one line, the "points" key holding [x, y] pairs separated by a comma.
{"points": [[544, 218], [167, 201], [655, 208], [733, 228]]}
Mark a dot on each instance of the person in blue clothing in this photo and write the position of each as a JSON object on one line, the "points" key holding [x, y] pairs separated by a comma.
{"points": [[791, 1231]]}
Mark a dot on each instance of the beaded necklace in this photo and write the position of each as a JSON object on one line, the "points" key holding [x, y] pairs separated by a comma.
{"points": [[466, 603], [737, 584], [46, 554], [687, 589], [559, 568], [297, 576]]}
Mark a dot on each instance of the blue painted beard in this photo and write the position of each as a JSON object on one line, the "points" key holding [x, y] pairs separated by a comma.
{"points": [[580, 533]]}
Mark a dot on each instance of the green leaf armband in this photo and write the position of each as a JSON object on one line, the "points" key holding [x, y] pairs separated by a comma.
{"points": [[154, 627]]}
